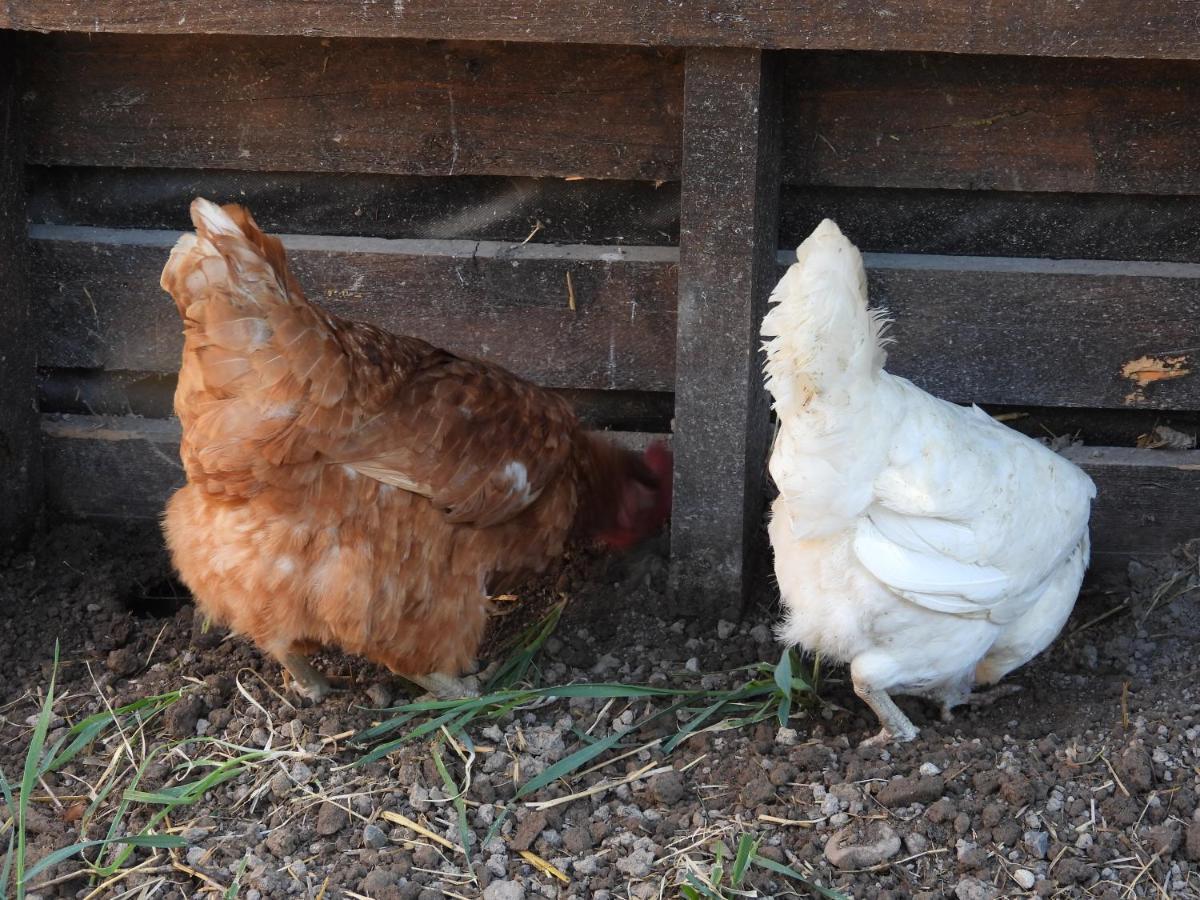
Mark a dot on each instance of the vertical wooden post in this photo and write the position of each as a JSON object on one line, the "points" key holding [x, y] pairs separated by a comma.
{"points": [[19, 452], [727, 249]]}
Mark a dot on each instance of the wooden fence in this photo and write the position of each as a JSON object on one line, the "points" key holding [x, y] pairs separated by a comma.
{"points": [[599, 200]]}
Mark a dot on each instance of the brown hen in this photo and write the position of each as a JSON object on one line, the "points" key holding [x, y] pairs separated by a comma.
{"points": [[351, 487]]}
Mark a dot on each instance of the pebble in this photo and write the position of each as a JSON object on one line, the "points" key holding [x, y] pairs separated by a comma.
{"points": [[667, 788], [374, 837], [1025, 879], [331, 818], [1037, 844], [504, 890], [974, 889], [725, 629], [639, 862], [379, 695], [195, 856], [786, 737], [929, 769], [693, 664], [847, 849]]}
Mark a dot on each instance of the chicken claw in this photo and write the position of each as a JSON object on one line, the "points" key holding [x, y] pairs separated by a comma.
{"points": [[446, 687], [307, 680]]}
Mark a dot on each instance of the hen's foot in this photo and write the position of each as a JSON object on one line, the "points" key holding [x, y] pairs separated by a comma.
{"points": [[306, 680], [896, 726], [446, 687]]}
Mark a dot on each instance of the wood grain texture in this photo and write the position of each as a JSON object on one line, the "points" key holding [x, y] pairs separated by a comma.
{"points": [[302, 104], [19, 458], [1046, 332], [459, 207], [921, 121], [100, 304], [987, 330], [1000, 223], [126, 467], [1164, 28], [728, 236], [1147, 503]]}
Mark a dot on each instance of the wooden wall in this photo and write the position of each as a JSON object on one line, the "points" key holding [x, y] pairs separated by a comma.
{"points": [[1033, 224]]}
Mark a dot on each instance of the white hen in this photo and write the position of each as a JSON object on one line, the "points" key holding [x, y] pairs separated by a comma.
{"points": [[924, 543]]}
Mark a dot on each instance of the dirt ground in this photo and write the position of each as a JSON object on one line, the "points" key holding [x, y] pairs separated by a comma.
{"points": [[1083, 784]]}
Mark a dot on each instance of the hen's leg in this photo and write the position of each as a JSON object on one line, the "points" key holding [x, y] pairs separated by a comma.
{"points": [[896, 725], [308, 681], [445, 687]]}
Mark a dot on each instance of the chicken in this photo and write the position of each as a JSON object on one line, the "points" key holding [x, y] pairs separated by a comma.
{"points": [[351, 487], [924, 543]]}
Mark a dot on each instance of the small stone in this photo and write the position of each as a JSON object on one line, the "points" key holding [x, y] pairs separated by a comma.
{"points": [[929, 769], [905, 791], [1191, 848], [374, 836], [638, 863], [761, 634], [589, 865], [693, 664], [1025, 879], [859, 847], [331, 818], [283, 841], [1137, 769], [504, 890], [377, 882], [182, 715], [668, 788], [916, 843], [379, 695], [577, 840], [786, 737], [196, 856], [125, 661], [974, 889], [725, 629], [1037, 844], [528, 831]]}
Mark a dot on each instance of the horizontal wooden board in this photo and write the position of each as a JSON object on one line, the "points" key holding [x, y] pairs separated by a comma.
{"points": [[473, 207], [1097, 28], [1148, 501], [1080, 333], [303, 104], [1044, 332], [1000, 223], [126, 467], [936, 121], [101, 306], [152, 395]]}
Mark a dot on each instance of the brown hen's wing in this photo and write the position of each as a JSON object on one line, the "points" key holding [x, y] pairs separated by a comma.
{"points": [[271, 382], [481, 443]]}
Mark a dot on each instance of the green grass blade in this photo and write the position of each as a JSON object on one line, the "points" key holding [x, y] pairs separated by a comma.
{"points": [[160, 841], [746, 848], [783, 681], [33, 757], [787, 872], [460, 804], [7, 871], [232, 891], [528, 644]]}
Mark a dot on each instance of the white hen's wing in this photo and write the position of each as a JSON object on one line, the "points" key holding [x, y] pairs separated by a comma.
{"points": [[970, 518]]}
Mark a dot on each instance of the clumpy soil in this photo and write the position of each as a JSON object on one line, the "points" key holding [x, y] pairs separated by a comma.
{"points": [[1083, 784]]}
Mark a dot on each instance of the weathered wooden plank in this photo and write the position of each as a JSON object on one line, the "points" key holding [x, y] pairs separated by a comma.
{"points": [[110, 467], [728, 236], [152, 395], [126, 467], [19, 468], [1098, 28], [302, 104], [475, 207], [999, 223], [100, 305], [916, 121], [1045, 332], [1148, 502]]}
